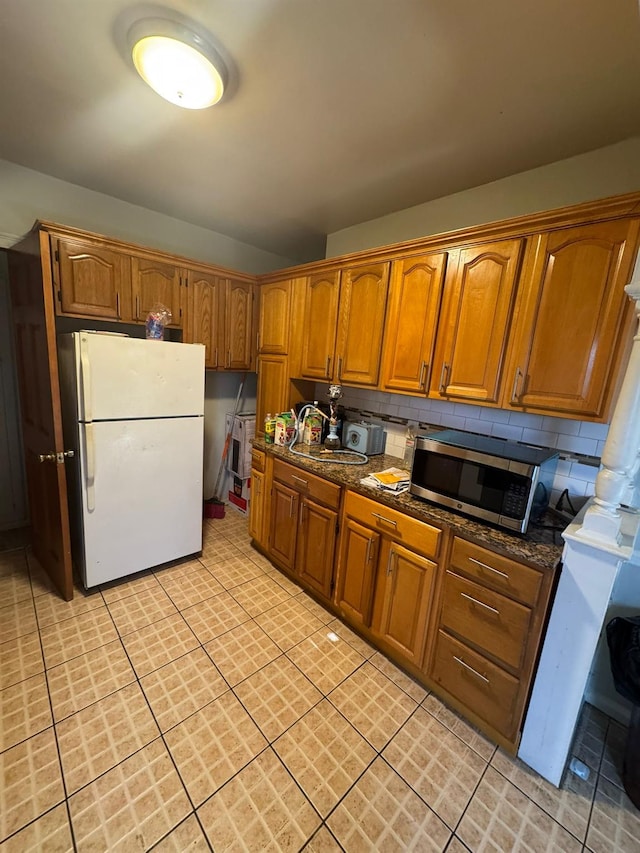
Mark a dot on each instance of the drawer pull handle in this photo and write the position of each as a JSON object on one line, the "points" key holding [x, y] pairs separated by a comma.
{"points": [[481, 603], [472, 670], [386, 520], [300, 480], [489, 568]]}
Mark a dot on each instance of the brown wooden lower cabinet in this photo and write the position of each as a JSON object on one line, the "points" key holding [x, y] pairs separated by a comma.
{"points": [[260, 503], [461, 618], [403, 600], [488, 626], [358, 559], [316, 546], [385, 585], [303, 526], [284, 525], [488, 690]]}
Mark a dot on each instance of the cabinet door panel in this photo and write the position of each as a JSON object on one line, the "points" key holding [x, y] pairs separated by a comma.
{"points": [[568, 339], [475, 321], [316, 546], [284, 525], [273, 387], [406, 599], [358, 559], [363, 301], [319, 326], [238, 325], [256, 507], [154, 282], [275, 305], [92, 281], [410, 329], [204, 314]]}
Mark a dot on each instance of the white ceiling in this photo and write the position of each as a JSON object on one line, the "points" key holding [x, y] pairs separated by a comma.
{"points": [[339, 111]]}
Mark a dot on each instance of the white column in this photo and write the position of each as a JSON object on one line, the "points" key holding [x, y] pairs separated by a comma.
{"points": [[578, 612], [616, 481]]}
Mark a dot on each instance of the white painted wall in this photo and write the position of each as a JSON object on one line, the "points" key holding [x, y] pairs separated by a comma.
{"points": [[221, 390], [27, 195], [604, 172]]}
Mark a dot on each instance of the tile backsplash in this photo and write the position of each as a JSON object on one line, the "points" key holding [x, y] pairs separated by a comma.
{"points": [[579, 443]]}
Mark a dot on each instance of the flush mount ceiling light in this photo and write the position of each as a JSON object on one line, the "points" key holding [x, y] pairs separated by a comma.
{"points": [[177, 63]]}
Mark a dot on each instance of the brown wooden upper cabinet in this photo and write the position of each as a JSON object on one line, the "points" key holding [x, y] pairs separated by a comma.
{"points": [[221, 317], [155, 282], [90, 280], [343, 324], [571, 309], [474, 322], [275, 313], [322, 293], [238, 325], [412, 317], [203, 314]]}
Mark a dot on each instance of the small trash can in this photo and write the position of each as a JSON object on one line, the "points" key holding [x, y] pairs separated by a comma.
{"points": [[623, 638], [213, 508]]}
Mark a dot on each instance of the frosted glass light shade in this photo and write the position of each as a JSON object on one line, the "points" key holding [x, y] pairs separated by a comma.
{"points": [[178, 64]]}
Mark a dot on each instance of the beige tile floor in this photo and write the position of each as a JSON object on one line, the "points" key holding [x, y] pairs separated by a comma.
{"points": [[214, 705]]}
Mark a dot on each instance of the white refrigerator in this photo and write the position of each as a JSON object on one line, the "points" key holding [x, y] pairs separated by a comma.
{"points": [[133, 412]]}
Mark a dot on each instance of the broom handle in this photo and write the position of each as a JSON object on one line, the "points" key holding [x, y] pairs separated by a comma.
{"points": [[227, 440]]}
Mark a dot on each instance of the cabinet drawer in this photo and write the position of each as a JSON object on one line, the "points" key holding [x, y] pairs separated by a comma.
{"points": [[257, 460], [307, 484], [483, 687], [496, 571], [485, 618], [415, 534]]}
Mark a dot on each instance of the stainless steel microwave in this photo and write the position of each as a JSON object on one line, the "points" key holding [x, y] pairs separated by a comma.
{"points": [[504, 482]]}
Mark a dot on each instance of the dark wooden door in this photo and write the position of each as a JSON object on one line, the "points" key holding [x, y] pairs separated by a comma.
{"points": [[37, 362]]}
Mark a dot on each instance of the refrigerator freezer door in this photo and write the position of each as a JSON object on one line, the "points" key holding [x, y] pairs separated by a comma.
{"points": [[129, 378], [146, 494]]}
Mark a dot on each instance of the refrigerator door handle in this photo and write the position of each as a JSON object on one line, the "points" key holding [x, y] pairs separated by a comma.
{"points": [[85, 366], [90, 467]]}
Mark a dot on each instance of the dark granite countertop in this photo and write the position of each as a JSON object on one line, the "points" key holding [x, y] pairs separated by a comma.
{"points": [[540, 546]]}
